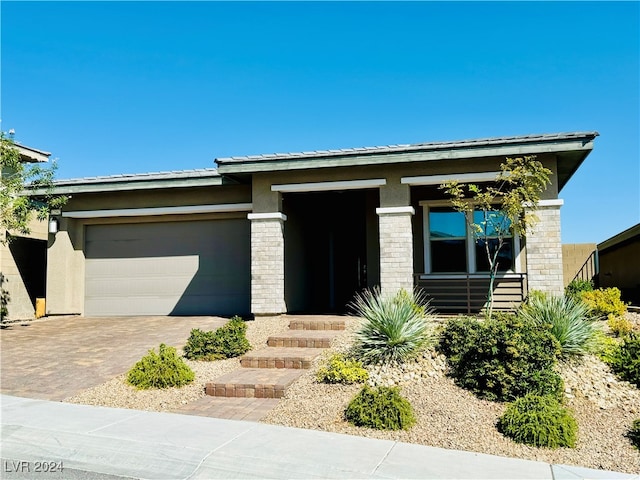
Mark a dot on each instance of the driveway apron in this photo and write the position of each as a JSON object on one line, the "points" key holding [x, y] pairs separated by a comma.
{"points": [[57, 358]]}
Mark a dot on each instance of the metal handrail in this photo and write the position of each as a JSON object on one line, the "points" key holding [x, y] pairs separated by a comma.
{"points": [[468, 292]]}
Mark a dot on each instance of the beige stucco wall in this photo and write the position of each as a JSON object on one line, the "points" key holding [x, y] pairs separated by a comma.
{"points": [[20, 305]]}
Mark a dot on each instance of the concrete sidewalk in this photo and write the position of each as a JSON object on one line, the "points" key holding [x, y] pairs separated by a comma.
{"points": [[107, 443]]}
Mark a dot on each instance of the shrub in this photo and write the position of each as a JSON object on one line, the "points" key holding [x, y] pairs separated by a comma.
{"points": [[570, 321], [607, 347], [501, 359], [620, 326], [536, 295], [634, 433], [625, 359], [382, 408], [226, 342], [540, 421], [342, 370], [604, 301], [395, 327], [160, 370], [576, 287]]}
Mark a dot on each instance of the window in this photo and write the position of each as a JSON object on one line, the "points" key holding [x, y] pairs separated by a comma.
{"points": [[448, 245], [492, 223], [452, 247]]}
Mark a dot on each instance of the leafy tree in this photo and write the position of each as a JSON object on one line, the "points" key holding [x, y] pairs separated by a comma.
{"points": [[507, 207], [26, 190]]}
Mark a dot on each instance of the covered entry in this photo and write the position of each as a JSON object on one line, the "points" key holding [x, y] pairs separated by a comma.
{"points": [[168, 268], [331, 248]]}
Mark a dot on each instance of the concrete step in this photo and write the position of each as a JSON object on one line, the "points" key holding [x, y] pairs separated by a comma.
{"points": [[280, 357], [253, 383], [303, 339], [317, 324]]}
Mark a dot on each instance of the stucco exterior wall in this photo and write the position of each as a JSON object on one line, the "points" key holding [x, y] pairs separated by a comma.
{"points": [[393, 242]]}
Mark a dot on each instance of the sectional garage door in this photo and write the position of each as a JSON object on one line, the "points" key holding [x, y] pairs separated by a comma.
{"points": [[168, 268]]}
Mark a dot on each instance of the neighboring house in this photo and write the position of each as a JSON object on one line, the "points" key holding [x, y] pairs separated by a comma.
{"points": [[299, 232], [619, 259], [23, 259]]}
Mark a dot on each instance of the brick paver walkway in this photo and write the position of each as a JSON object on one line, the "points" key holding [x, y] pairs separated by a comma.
{"points": [[57, 358], [250, 409]]}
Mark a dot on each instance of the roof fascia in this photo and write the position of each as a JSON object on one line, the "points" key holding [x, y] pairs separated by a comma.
{"points": [[553, 147], [120, 186], [621, 237], [28, 154]]}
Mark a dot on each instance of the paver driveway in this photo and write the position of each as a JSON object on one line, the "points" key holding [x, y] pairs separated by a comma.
{"points": [[57, 358]]}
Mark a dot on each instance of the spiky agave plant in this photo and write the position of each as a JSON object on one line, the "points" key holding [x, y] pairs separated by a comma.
{"points": [[570, 320], [395, 327]]}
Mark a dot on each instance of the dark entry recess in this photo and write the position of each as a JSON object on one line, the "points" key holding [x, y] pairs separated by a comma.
{"points": [[326, 249], [30, 256]]}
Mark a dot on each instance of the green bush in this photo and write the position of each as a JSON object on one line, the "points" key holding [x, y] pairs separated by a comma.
{"points": [[576, 287], [382, 408], [342, 370], [607, 347], [625, 359], [540, 421], [395, 328], [570, 320], [226, 342], [634, 433], [604, 301], [501, 359], [160, 370]]}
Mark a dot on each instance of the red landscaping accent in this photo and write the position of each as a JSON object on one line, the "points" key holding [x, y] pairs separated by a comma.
{"points": [[303, 339], [280, 357]]}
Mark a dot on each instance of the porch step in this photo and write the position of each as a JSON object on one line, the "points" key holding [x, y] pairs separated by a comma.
{"points": [[280, 357], [317, 324], [253, 382], [303, 339]]}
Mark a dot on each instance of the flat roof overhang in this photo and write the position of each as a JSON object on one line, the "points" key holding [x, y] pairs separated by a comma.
{"points": [[146, 181], [569, 148]]}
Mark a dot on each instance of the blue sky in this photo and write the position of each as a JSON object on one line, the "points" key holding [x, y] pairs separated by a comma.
{"points": [[129, 87]]}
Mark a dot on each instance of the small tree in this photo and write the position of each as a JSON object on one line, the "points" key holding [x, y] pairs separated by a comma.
{"points": [[507, 207], [26, 190]]}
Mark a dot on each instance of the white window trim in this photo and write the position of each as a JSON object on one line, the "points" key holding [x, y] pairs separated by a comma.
{"points": [[458, 177], [471, 253], [329, 186]]}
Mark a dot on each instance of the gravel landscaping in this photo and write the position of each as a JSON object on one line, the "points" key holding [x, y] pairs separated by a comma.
{"points": [[447, 416]]}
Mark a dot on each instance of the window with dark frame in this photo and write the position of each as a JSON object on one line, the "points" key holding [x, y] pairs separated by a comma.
{"points": [[448, 238]]}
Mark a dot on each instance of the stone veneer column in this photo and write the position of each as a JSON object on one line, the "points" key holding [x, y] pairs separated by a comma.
{"points": [[544, 250], [267, 263], [396, 249]]}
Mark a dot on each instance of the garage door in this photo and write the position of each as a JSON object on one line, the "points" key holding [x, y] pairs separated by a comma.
{"points": [[168, 268]]}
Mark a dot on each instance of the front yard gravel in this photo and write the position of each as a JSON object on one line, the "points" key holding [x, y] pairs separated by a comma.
{"points": [[447, 416]]}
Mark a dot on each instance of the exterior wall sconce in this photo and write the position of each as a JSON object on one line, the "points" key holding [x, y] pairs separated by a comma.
{"points": [[53, 225]]}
